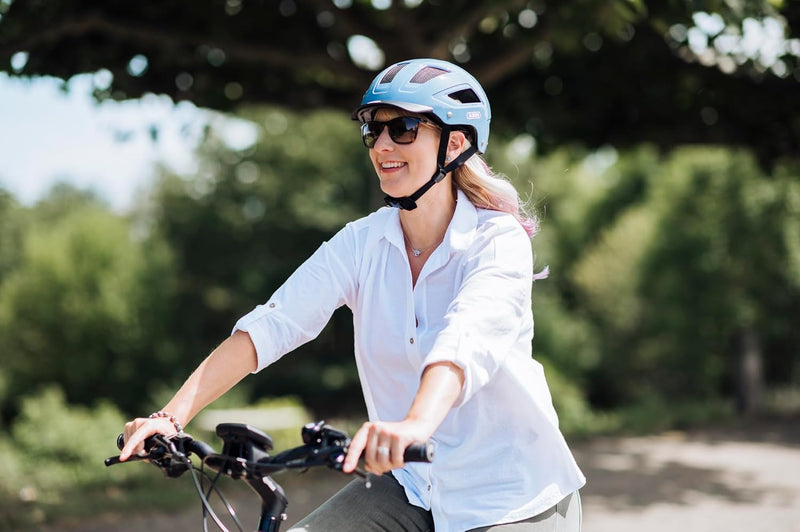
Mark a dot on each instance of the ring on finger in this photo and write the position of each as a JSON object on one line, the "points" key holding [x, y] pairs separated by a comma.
{"points": [[383, 451]]}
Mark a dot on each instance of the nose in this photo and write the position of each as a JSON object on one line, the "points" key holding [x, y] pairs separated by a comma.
{"points": [[384, 141]]}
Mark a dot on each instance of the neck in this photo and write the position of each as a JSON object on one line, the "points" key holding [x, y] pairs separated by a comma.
{"points": [[425, 226]]}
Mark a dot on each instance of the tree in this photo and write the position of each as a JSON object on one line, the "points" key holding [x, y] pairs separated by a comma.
{"points": [[246, 220], [10, 234], [85, 309], [594, 71], [692, 287]]}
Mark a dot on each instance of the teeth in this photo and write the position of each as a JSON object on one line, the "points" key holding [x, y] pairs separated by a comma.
{"points": [[392, 165]]}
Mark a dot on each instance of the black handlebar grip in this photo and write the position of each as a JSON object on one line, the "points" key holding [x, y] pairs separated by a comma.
{"points": [[148, 443], [199, 448], [419, 452]]}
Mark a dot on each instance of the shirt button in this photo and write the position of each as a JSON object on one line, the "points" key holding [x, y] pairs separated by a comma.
{"points": [[411, 340], [272, 305], [429, 487]]}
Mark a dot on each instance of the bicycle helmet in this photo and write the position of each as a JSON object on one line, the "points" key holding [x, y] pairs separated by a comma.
{"points": [[446, 93]]}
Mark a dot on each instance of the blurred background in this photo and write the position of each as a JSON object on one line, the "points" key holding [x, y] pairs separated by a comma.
{"points": [[164, 167]]}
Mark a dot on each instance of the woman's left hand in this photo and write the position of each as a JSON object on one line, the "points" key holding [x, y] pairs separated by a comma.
{"points": [[383, 445]]}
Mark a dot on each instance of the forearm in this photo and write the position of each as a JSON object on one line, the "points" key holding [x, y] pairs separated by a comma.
{"points": [[228, 364], [439, 388]]}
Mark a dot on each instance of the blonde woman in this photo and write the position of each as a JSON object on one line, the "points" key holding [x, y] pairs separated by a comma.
{"points": [[439, 283]]}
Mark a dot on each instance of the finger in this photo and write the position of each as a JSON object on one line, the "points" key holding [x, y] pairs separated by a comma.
{"points": [[357, 445], [396, 454], [133, 445], [127, 434], [128, 449], [379, 450], [136, 432]]}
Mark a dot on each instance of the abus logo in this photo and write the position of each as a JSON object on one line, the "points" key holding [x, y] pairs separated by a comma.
{"points": [[473, 115]]}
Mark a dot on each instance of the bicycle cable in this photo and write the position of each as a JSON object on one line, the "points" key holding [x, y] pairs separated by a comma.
{"points": [[205, 504], [213, 486]]}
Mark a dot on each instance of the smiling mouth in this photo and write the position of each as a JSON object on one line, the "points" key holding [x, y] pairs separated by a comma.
{"points": [[392, 165]]}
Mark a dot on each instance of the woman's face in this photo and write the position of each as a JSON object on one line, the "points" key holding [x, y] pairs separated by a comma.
{"points": [[403, 168]]}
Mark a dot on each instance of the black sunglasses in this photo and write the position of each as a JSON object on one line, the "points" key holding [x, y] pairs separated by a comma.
{"points": [[402, 130]]}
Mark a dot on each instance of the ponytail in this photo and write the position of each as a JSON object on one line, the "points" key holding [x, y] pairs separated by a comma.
{"points": [[489, 190]]}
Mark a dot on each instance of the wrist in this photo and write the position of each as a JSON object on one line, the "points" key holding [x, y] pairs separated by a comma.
{"points": [[166, 415]]}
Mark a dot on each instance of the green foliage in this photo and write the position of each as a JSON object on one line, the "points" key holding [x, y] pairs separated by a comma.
{"points": [[53, 456], [589, 71], [575, 416], [676, 257], [660, 263], [247, 219], [10, 234], [85, 304], [718, 266]]}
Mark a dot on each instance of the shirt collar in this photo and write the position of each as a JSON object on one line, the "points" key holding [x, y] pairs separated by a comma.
{"points": [[460, 232]]}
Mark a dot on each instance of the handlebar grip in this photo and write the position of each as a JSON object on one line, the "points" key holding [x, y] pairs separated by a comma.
{"points": [[199, 448], [419, 452], [148, 443]]}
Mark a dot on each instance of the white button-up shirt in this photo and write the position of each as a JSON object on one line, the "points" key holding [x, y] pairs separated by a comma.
{"points": [[500, 456]]}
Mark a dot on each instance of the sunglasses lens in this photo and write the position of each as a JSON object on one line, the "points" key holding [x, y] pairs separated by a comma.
{"points": [[402, 130], [370, 131]]}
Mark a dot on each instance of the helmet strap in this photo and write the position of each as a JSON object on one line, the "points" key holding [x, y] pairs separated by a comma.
{"points": [[409, 203]]}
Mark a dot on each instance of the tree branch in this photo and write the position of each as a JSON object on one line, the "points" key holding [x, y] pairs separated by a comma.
{"points": [[155, 38]]}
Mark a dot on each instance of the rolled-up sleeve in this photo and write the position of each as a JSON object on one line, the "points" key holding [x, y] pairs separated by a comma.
{"points": [[490, 311], [299, 310]]}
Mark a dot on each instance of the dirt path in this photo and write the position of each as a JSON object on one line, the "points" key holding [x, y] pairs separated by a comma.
{"points": [[729, 480], [702, 481]]}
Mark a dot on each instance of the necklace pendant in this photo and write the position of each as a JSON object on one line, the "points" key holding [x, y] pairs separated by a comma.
{"points": [[416, 252]]}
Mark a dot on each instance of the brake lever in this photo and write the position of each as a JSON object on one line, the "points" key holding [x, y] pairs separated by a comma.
{"points": [[337, 463], [162, 452]]}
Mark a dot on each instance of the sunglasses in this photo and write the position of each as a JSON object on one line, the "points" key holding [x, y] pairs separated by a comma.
{"points": [[402, 130]]}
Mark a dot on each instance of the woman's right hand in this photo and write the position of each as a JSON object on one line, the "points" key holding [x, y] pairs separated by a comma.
{"points": [[140, 429]]}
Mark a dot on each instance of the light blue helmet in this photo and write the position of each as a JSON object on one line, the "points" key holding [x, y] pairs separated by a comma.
{"points": [[436, 88]]}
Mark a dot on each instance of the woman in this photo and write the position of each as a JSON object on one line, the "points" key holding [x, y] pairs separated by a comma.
{"points": [[439, 283]]}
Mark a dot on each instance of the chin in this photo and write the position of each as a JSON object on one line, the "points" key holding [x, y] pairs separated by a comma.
{"points": [[395, 189]]}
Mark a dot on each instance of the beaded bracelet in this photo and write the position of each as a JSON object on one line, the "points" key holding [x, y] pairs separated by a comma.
{"points": [[173, 419]]}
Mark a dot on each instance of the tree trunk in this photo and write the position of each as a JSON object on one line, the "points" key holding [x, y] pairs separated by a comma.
{"points": [[749, 374]]}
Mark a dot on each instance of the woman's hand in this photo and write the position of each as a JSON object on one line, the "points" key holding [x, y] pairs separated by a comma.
{"points": [[382, 445], [140, 429]]}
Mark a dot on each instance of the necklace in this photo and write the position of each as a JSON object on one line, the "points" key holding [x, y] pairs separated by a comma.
{"points": [[417, 251]]}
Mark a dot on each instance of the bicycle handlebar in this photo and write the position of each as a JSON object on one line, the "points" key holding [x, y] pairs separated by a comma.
{"points": [[245, 456], [245, 451]]}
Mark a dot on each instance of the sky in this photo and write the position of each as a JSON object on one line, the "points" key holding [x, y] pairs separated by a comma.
{"points": [[48, 135]]}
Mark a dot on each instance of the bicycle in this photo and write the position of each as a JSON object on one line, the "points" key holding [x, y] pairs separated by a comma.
{"points": [[245, 456]]}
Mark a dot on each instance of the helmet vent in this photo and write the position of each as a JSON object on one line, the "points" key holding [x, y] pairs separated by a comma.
{"points": [[427, 74], [389, 76], [465, 96]]}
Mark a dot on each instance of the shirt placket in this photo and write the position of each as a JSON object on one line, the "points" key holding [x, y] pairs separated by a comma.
{"points": [[415, 323]]}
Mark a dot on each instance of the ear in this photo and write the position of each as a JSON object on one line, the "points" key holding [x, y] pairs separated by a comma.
{"points": [[458, 143]]}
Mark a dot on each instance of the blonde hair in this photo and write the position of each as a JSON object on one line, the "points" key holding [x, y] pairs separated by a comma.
{"points": [[489, 190]]}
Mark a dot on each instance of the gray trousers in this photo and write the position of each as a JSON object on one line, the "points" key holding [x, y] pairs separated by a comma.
{"points": [[384, 508]]}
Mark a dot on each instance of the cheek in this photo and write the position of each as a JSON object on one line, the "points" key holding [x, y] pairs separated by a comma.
{"points": [[426, 157], [373, 159]]}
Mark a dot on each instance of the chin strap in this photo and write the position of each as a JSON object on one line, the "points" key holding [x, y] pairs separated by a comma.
{"points": [[409, 203]]}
